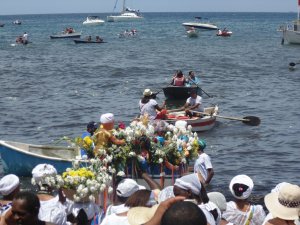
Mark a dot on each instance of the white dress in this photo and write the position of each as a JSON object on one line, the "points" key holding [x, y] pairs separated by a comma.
{"points": [[114, 219], [53, 211], [237, 217]]}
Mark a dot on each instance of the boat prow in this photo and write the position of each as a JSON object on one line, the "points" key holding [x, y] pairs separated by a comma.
{"points": [[20, 158]]}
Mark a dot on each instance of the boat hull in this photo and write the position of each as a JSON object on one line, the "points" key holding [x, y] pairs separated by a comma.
{"points": [[203, 26], [72, 35], [175, 92], [198, 124], [121, 18], [20, 158], [291, 36]]}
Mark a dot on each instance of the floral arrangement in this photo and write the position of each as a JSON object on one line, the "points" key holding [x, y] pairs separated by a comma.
{"points": [[86, 182]]}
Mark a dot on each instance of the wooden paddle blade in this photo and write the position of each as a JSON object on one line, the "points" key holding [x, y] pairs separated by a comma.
{"points": [[251, 120], [292, 64]]}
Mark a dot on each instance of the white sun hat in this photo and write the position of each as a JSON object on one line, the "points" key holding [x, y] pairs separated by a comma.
{"points": [[284, 204], [242, 179], [107, 118]]}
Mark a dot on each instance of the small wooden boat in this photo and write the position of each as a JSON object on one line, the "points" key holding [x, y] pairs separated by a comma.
{"points": [[20, 158], [204, 123], [88, 42], [66, 35], [224, 33], [180, 92]]}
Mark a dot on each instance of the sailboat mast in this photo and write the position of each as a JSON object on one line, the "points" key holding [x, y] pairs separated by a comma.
{"points": [[124, 7]]}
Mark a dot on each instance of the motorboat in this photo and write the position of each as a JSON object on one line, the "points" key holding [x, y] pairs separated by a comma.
{"points": [[68, 33], [291, 32], [20, 158], [224, 33], [192, 32], [93, 20], [204, 25], [180, 92], [202, 123], [17, 22], [127, 14]]}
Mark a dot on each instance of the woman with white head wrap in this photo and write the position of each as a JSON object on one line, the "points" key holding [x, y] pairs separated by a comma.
{"points": [[52, 209], [9, 187], [240, 211], [190, 187]]}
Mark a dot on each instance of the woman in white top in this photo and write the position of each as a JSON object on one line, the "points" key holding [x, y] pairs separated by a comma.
{"points": [[240, 211], [149, 106]]}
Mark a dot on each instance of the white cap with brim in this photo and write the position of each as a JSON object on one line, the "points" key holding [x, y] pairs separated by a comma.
{"points": [[127, 187], [8, 184], [284, 204]]}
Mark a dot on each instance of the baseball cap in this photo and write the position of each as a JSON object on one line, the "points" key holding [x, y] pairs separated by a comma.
{"points": [[127, 187]]}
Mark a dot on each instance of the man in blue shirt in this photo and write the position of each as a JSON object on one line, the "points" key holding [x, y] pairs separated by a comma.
{"points": [[192, 79]]}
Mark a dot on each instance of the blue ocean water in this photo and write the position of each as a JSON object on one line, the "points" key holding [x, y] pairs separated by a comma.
{"points": [[52, 88]]}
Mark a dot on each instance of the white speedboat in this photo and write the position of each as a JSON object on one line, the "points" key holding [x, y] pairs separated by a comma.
{"points": [[200, 25], [127, 14], [291, 32], [93, 20]]}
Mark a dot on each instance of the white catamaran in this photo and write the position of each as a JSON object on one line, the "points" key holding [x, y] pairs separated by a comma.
{"points": [[291, 32], [127, 14]]}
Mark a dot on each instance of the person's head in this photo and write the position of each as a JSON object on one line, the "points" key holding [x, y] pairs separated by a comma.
{"points": [[147, 93], [25, 208], [41, 175], [184, 213], [219, 199], [191, 74], [201, 145], [188, 186], [193, 93], [126, 188], [241, 187], [139, 198], [108, 121], [91, 127], [284, 204], [179, 73], [9, 186]]}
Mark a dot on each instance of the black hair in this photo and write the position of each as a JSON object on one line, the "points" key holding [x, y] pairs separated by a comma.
{"points": [[184, 213], [239, 189], [31, 200]]}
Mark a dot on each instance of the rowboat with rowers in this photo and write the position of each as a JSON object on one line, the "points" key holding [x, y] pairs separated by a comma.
{"points": [[204, 122]]}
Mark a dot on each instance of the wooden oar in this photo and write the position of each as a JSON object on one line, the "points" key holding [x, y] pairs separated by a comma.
{"points": [[249, 120], [201, 89]]}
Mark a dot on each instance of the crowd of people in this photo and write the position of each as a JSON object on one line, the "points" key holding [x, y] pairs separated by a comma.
{"points": [[185, 202]]}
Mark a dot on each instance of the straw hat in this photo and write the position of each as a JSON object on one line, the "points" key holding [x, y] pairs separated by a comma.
{"points": [[141, 215], [284, 204], [147, 92]]}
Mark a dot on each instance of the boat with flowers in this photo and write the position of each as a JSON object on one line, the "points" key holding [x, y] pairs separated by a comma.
{"points": [[203, 123], [20, 158]]}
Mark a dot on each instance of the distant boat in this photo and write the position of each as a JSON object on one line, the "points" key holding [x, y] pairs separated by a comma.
{"points": [[224, 33], [93, 20], [17, 22], [2, 24], [79, 41], [291, 32], [200, 24], [68, 33], [20, 158], [127, 14]]}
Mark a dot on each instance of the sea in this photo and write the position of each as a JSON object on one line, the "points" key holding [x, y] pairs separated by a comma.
{"points": [[53, 88]]}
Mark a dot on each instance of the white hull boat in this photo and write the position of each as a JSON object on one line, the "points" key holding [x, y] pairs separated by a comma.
{"points": [[127, 14], [204, 123], [203, 26], [291, 33], [93, 20]]}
